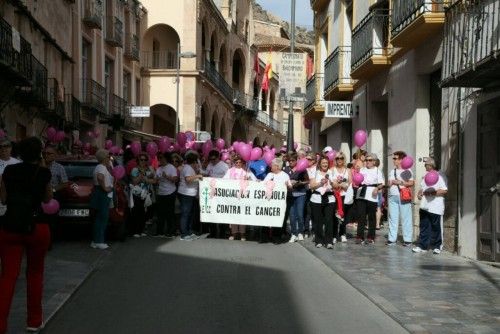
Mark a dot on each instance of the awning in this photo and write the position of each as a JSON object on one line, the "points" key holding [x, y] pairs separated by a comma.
{"points": [[139, 134]]}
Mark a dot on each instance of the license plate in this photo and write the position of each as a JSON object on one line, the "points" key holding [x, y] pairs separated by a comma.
{"points": [[74, 213]]}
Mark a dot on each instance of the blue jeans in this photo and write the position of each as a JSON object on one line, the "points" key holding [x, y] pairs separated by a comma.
{"points": [[395, 210], [187, 205], [430, 230], [297, 215], [100, 202]]}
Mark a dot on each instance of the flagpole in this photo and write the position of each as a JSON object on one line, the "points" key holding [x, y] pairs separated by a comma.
{"points": [[289, 137]]}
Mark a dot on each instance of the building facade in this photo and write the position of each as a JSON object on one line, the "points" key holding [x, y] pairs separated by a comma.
{"points": [[399, 63]]}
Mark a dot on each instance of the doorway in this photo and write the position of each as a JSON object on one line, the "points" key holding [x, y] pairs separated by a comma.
{"points": [[488, 181]]}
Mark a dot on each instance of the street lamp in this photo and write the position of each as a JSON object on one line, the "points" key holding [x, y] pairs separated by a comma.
{"points": [[179, 56]]}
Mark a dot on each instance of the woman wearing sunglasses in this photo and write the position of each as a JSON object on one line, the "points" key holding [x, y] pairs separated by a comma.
{"points": [[143, 178], [343, 195]]}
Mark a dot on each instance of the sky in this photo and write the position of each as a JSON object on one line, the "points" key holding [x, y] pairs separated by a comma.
{"points": [[282, 8]]}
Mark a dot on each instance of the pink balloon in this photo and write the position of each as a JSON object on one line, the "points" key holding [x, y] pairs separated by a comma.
{"points": [[181, 139], [115, 150], [266, 148], [60, 135], [51, 133], [236, 146], [431, 178], [360, 138], [302, 165], [268, 157], [250, 142], [331, 155], [50, 208], [135, 147], [108, 144], [118, 172], [357, 178], [87, 146], [225, 156], [163, 146], [220, 143], [120, 152], [176, 147], [152, 149], [245, 152], [407, 162], [190, 136], [256, 153]]}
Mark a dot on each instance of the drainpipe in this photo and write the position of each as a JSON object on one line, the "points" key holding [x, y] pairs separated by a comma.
{"points": [[459, 169]]}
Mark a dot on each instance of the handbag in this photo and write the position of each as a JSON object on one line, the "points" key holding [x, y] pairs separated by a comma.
{"points": [[405, 194]]}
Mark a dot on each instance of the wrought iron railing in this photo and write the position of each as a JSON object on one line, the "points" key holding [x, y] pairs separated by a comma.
{"points": [[471, 37], [133, 122], [245, 101], [56, 94], [338, 68], [118, 105], [36, 92], [370, 37], [131, 47], [72, 107], [93, 13], [155, 60], [93, 96], [114, 31], [404, 12], [18, 62], [310, 92], [218, 80], [268, 121]]}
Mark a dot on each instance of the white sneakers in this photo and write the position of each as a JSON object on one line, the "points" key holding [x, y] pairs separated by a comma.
{"points": [[343, 238], [293, 239], [329, 246], [436, 251], [300, 237], [418, 250], [99, 245]]}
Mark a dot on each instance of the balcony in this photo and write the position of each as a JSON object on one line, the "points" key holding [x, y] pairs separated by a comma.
{"points": [[72, 107], [118, 106], [114, 31], [93, 98], [245, 105], [134, 123], [471, 44], [131, 47], [36, 92], [93, 13], [266, 120], [211, 73], [338, 82], [56, 103], [370, 45], [314, 108], [15, 65], [414, 21], [159, 60]]}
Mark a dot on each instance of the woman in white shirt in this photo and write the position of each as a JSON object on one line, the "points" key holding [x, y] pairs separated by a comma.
{"points": [[373, 182], [167, 178], [343, 194], [323, 203], [238, 172], [101, 198], [187, 192]]}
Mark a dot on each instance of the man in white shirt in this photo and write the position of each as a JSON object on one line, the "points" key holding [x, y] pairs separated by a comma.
{"points": [[5, 160], [431, 212]]}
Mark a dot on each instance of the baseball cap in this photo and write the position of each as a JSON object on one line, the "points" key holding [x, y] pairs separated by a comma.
{"points": [[327, 149], [429, 161]]}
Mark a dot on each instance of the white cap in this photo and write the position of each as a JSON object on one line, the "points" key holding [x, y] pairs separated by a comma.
{"points": [[327, 149]]}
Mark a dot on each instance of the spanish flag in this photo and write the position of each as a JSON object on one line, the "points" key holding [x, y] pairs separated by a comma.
{"points": [[268, 73]]}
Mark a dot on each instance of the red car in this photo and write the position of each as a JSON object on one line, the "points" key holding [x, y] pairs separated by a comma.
{"points": [[75, 199]]}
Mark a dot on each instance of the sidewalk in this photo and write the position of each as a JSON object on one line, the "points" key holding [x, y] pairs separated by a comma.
{"points": [[425, 293], [66, 267]]}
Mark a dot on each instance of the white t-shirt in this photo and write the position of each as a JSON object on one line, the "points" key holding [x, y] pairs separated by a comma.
{"points": [[187, 188], [218, 170], [371, 176], [234, 173], [340, 177], [166, 187], [281, 178], [108, 178], [433, 204], [3, 164], [318, 176], [401, 175]]}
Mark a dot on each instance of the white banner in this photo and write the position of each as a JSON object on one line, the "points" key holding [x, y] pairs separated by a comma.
{"points": [[338, 109], [137, 111], [242, 202]]}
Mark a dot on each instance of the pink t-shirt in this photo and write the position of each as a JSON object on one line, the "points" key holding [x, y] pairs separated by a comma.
{"points": [[234, 173]]}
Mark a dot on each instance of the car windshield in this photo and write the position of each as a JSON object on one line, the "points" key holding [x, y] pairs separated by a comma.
{"points": [[79, 169]]}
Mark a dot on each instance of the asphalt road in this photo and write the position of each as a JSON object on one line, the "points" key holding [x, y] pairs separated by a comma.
{"points": [[217, 286]]}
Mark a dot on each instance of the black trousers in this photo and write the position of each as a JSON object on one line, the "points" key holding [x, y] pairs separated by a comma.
{"points": [[322, 217], [307, 213], [165, 210], [366, 208], [138, 216]]}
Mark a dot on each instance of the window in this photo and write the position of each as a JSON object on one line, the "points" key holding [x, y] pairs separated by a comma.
{"points": [[138, 92], [126, 85], [86, 60]]}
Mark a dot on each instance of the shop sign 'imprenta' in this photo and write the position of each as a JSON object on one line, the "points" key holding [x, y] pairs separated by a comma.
{"points": [[338, 109]]}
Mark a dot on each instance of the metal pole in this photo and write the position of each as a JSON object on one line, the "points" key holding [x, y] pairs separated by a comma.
{"points": [[176, 130], [289, 137]]}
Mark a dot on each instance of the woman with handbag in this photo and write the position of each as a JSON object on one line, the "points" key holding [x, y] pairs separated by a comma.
{"points": [[343, 195], [24, 187], [399, 200]]}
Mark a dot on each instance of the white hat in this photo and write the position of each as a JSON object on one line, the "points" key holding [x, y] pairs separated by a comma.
{"points": [[327, 149]]}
